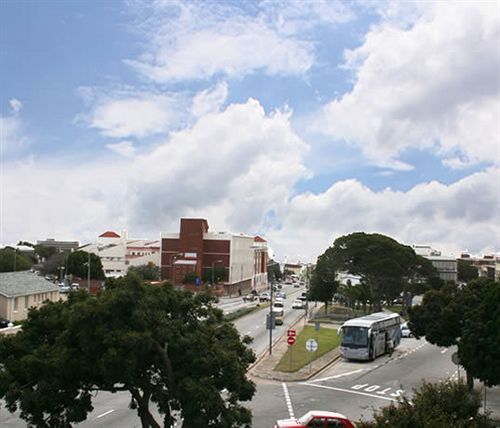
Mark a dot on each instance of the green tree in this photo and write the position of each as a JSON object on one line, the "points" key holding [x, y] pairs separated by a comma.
{"points": [[11, 260], [220, 273], [53, 264], [132, 337], [273, 271], [479, 349], [44, 252], [77, 263], [149, 272], [386, 266], [443, 313], [466, 272], [323, 283], [433, 406]]}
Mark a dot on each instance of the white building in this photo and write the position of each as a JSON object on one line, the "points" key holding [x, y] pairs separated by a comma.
{"points": [[446, 266], [118, 253]]}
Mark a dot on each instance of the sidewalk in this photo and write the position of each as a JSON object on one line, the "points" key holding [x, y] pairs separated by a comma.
{"points": [[264, 367]]}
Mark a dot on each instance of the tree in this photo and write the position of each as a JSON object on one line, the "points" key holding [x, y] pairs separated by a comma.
{"points": [[434, 405], [11, 260], [44, 252], [149, 272], [273, 271], [323, 281], [443, 313], [133, 337], [466, 272], [388, 267], [479, 348], [53, 264], [77, 265]]}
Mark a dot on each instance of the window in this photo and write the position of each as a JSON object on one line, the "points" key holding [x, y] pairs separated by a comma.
{"points": [[317, 423], [334, 423], [15, 303], [26, 302]]}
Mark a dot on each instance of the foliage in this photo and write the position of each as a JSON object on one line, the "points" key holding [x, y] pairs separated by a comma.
{"points": [[350, 294], [149, 272], [273, 271], [466, 272], [132, 337], [11, 260], [189, 278], [77, 265], [323, 283], [220, 274], [387, 266], [53, 264], [433, 406], [479, 348], [44, 252], [443, 314], [26, 244]]}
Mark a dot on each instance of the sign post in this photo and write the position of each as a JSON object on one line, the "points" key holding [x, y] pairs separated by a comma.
{"points": [[311, 346]]}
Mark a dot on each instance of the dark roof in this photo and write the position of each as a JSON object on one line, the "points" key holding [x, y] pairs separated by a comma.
{"points": [[13, 284], [259, 239]]}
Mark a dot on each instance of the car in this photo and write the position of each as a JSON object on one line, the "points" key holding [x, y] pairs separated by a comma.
{"points": [[278, 318], [405, 331], [281, 295], [316, 419], [248, 297], [265, 296], [296, 284], [278, 307], [65, 289], [4, 323], [298, 304]]}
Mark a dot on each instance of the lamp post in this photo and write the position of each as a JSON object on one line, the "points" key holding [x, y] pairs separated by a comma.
{"points": [[88, 271]]}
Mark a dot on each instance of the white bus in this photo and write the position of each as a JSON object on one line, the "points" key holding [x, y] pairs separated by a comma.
{"points": [[367, 337]]}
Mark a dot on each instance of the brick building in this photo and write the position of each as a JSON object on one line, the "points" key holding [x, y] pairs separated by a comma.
{"points": [[196, 252]]}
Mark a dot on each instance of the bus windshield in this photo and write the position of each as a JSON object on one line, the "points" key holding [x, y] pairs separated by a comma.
{"points": [[354, 336]]}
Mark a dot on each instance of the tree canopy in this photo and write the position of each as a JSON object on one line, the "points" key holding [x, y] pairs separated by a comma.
{"points": [[444, 314], [385, 265], [77, 265], [433, 405], [466, 272], [149, 272], [11, 260], [164, 346], [323, 283]]}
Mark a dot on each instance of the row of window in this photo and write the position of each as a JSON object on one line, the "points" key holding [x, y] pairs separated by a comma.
{"points": [[38, 298]]}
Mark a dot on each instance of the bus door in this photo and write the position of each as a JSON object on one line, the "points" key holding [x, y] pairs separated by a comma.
{"points": [[378, 342]]}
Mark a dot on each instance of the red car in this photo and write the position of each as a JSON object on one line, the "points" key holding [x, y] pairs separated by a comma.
{"points": [[316, 419]]}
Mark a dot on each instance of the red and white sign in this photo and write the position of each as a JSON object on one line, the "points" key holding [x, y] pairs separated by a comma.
{"points": [[291, 333], [290, 340]]}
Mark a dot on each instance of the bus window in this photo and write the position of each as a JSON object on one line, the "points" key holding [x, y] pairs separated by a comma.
{"points": [[354, 336]]}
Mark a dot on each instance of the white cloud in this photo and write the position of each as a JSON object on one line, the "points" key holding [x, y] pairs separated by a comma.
{"points": [[209, 100], [188, 40], [433, 86], [123, 148], [463, 215], [12, 136], [135, 114], [15, 105]]}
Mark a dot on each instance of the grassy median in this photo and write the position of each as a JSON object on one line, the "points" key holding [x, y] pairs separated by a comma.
{"points": [[297, 356]]}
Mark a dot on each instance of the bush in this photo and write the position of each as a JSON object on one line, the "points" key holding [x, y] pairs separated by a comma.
{"points": [[433, 406]]}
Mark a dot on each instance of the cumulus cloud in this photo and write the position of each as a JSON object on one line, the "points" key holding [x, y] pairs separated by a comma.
{"points": [[463, 215], [123, 148], [431, 85], [209, 100], [15, 105], [189, 40], [134, 114], [13, 139]]}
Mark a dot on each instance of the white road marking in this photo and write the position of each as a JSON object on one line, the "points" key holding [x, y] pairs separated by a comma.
{"points": [[248, 333], [288, 400], [337, 376], [444, 350], [105, 413], [349, 391]]}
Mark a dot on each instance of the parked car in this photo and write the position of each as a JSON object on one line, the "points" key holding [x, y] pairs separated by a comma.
{"points": [[405, 331], [316, 419], [65, 289], [249, 297], [4, 323], [281, 295], [298, 304]]}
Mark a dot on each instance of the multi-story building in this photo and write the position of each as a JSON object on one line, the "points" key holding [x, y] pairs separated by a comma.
{"points": [[60, 246], [118, 253], [445, 265], [20, 291], [191, 256], [488, 266]]}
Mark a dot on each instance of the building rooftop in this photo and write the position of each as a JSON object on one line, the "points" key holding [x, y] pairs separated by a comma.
{"points": [[13, 284], [109, 234]]}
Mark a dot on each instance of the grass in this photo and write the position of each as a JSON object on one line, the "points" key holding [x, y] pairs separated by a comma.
{"points": [[297, 356], [244, 311]]}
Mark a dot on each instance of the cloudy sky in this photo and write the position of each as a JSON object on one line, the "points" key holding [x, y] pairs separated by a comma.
{"points": [[299, 121]]}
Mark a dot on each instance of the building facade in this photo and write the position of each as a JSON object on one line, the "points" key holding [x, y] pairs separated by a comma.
{"points": [[446, 266], [488, 266], [20, 291], [195, 256], [60, 246], [118, 253]]}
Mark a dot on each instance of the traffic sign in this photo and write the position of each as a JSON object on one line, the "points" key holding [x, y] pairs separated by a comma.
{"points": [[197, 281], [311, 345], [290, 340], [291, 333]]}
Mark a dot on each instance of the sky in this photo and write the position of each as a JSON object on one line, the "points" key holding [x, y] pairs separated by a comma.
{"points": [[299, 121]]}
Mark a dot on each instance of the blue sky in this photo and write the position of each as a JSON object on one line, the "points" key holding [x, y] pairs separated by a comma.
{"points": [[300, 121]]}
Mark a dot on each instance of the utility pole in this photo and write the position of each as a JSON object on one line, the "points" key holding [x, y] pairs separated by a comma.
{"points": [[88, 272]]}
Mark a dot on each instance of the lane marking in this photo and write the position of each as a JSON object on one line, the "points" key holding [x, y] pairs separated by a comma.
{"points": [[105, 413], [337, 376], [444, 350], [288, 401], [349, 391]]}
